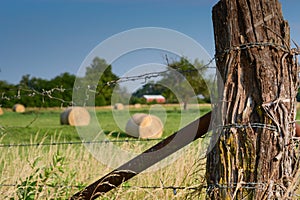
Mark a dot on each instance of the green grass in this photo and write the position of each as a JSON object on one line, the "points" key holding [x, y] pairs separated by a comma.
{"points": [[24, 127], [32, 167], [49, 171], [44, 125]]}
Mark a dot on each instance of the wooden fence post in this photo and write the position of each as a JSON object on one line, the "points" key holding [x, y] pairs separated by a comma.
{"points": [[161, 150], [254, 157]]}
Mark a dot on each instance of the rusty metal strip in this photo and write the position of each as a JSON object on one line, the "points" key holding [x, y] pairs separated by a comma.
{"points": [[145, 160]]}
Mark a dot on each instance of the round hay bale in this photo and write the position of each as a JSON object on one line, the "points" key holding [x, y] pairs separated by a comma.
{"points": [[75, 116], [1, 111], [144, 126], [118, 106], [19, 108], [137, 105]]}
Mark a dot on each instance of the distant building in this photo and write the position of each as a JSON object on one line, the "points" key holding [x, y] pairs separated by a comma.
{"points": [[157, 98]]}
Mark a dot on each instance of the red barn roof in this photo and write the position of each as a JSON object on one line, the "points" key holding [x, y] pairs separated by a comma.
{"points": [[157, 98]]}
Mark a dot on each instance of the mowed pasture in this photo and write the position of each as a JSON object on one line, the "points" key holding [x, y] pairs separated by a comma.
{"points": [[42, 159]]}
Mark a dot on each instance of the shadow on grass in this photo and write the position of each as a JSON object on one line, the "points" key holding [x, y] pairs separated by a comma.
{"points": [[115, 134]]}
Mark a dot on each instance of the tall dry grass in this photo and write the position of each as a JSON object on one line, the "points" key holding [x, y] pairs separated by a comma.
{"points": [[52, 172]]}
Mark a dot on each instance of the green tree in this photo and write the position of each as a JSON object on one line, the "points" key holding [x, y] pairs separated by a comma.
{"points": [[8, 93], [185, 81], [31, 90], [37, 92], [97, 77], [121, 95], [149, 88], [62, 88]]}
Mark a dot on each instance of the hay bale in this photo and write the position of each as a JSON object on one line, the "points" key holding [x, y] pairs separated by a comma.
{"points": [[118, 106], [144, 126], [19, 108], [137, 105], [75, 116]]}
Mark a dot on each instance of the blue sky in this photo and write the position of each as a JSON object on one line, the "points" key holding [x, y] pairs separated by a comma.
{"points": [[45, 38]]}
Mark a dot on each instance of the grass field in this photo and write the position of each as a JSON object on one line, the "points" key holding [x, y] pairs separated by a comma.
{"points": [[57, 171], [23, 127]]}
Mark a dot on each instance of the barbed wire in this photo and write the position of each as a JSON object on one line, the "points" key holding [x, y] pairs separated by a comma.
{"points": [[250, 125], [270, 127], [21, 92], [44, 185], [241, 185], [97, 89], [173, 188], [90, 88], [255, 45], [123, 186], [78, 142]]}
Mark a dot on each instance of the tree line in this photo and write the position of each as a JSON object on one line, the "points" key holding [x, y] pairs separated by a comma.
{"points": [[38, 92]]}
